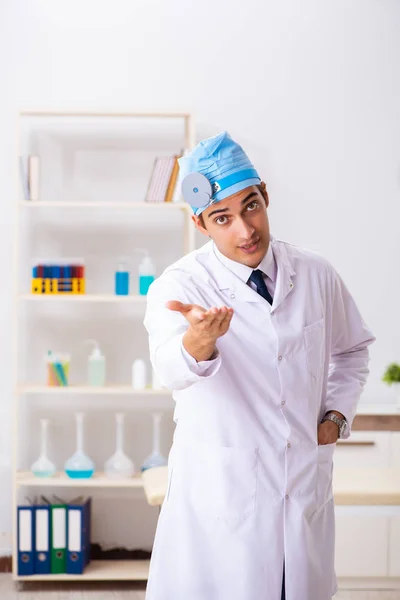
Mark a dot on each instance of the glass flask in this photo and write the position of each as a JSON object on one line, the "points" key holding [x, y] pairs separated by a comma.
{"points": [[119, 466], [79, 466], [43, 467], [155, 459]]}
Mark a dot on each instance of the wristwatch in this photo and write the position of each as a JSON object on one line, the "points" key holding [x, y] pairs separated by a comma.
{"points": [[341, 423]]}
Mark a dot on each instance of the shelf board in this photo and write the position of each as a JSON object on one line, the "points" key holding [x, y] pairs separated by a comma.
{"points": [[101, 570], [123, 390], [60, 479], [55, 113], [94, 204], [130, 299]]}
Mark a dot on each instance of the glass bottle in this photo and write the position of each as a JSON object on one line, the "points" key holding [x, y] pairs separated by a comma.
{"points": [[119, 466], [43, 467], [155, 459], [79, 466]]}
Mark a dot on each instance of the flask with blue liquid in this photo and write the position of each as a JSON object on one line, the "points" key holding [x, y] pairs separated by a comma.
{"points": [[79, 466]]}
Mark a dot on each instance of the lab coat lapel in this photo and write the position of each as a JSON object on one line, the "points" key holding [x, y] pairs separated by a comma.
{"points": [[285, 270], [226, 281]]}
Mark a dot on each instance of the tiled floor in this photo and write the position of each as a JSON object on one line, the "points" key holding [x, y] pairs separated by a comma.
{"points": [[126, 591]]}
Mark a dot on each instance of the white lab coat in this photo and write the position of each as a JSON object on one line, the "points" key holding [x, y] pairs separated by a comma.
{"points": [[248, 484]]}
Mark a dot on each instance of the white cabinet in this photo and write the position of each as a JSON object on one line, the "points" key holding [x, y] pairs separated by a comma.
{"points": [[361, 543], [394, 547], [365, 449], [395, 449], [368, 537]]}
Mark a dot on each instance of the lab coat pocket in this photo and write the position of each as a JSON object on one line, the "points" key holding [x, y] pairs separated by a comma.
{"points": [[313, 341], [324, 474], [223, 482]]}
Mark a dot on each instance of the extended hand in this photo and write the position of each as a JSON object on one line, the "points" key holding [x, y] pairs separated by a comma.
{"points": [[328, 433], [205, 327], [210, 324]]}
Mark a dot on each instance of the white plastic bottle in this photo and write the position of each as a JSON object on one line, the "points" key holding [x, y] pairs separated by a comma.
{"points": [[139, 374], [147, 274], [96, 366]]}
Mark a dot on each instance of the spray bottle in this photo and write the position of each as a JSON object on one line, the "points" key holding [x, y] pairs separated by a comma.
{"points": [[96, 366], [147, 273]]}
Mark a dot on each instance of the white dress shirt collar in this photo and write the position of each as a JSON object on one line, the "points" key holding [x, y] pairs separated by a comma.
{"points": [[267, 265]]}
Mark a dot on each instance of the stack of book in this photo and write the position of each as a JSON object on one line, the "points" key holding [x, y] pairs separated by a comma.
{"points": [[54, 537], [162, 186]]}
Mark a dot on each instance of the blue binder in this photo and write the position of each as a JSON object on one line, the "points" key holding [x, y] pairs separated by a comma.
{"points": [[26, 539], [42, 546], [78, 535]]}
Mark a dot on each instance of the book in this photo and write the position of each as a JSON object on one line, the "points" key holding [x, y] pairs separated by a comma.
{"points": [[160, 178], [172, 182], [23, 170], [33, 177]]}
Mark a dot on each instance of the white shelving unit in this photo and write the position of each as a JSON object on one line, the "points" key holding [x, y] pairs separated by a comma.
{"points": [[107, 390], [97, 570]]}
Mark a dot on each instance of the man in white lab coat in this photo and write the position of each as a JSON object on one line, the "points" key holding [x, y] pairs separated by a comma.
{"points": [[267, 355]]}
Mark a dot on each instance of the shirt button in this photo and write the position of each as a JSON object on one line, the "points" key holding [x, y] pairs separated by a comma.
{"points": [[233, 296], [289, 445], [287, 497], [279, 357], [272, 312], [283, 402]]}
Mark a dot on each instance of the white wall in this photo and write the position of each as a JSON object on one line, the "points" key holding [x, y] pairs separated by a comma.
{"points": [[311, 89]]}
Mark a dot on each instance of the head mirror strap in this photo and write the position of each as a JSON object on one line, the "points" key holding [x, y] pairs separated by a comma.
{"points": [[229, 180]]}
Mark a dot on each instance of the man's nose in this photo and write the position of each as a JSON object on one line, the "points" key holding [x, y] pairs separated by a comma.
{"points": [[245, 231]]}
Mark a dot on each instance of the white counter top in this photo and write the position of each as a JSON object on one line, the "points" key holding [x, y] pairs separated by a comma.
{"points": [[378, 409], [350, 486]]}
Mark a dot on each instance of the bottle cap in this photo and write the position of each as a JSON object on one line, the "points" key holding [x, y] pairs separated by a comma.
{"points": [[147, 264], [96, 352]]}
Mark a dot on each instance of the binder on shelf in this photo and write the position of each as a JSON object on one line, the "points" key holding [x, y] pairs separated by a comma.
{"points": [[26, 539], [58, 537], [42, 545], [78, 535]]}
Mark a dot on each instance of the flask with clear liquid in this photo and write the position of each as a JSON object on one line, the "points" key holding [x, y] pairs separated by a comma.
{"points": [[155, 459], [79, 466], [119, 465], [43, 467]]}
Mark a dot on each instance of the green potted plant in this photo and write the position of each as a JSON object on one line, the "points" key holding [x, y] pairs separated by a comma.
{"points": [[392, 377]]}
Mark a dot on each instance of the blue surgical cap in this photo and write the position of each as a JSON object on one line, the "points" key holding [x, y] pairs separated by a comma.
{"points": [[217, 168]]}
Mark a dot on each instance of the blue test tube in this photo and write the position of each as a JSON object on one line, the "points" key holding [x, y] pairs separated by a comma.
{"points": [[68, 275]]}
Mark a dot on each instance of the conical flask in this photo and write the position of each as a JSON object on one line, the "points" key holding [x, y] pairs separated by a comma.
{"points": [[79, 466], [155, 459], [119, 466], [43, 467]]}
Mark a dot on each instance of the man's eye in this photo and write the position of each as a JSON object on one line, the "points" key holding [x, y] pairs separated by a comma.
{"points": [[218, 220], [252, 205]]}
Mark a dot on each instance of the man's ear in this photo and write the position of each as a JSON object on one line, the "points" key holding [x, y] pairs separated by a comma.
{"points": [[199, 224], [263, 190]]}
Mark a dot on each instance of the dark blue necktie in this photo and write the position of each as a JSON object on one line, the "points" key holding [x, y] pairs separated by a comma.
{"points": [[257, 278]]}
